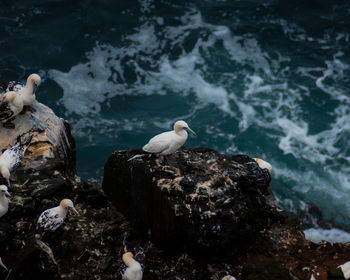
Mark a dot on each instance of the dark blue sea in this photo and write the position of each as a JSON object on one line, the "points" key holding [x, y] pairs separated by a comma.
{"points": [[265, 78]]}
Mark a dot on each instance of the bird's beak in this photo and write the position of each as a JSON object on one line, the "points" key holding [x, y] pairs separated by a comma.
{"points": [[34, 88], [7, 193], [75, 211], [190, 130]]}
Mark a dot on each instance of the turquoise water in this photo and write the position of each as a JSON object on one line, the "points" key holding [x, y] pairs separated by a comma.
{"points": [[267, 79]]}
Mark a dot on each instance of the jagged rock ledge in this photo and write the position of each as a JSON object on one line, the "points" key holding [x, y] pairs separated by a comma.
{"points": [[196, 199]]}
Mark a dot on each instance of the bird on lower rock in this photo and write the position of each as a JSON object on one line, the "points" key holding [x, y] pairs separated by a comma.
{"points": [[27, 91], [4, 200], [134, 269], [263, 164], [11, 105], [53, 218], [169, 142], [11, 158]]}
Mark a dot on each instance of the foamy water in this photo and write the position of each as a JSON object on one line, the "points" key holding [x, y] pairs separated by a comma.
{"points": [[254, 82]]}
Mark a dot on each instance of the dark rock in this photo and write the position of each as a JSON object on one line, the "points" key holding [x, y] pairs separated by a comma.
{"points": [[267, 269], [195, 198]]}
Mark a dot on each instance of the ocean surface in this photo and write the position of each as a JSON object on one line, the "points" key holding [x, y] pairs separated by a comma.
{"points": [[265, 78]]}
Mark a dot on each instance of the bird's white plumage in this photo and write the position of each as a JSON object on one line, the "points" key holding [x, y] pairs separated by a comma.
{"points": [[168, 142], [12, 157], [28, 91], [228, 277], [4, 201], [53, 218], [263, 164], [11, 105], [345, 268], [134, 269]]}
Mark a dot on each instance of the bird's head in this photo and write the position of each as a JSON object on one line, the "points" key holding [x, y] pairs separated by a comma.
{"points": [[68, 204], [35, 80], [180, 125]]}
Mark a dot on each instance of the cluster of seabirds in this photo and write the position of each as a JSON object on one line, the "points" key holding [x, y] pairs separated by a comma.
{"points": [[17, 99]]}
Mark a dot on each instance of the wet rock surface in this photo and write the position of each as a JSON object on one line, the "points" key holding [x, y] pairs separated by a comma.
{"points": [[198, 199]]}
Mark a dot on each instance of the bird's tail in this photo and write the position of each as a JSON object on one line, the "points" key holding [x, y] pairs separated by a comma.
{"points": [[136, 156]]}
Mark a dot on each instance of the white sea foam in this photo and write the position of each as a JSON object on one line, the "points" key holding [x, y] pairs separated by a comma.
{"points": [[257, 92], [333, 235]]}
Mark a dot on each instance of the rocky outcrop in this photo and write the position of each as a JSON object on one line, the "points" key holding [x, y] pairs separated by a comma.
{"points": [[215, 215], [198, 198], [52, 146]]}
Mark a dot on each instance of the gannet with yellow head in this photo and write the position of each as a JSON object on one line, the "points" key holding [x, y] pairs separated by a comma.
{"points": [[28, 91], [134, 269], [263, 164], [168, 142], [53, 218]]}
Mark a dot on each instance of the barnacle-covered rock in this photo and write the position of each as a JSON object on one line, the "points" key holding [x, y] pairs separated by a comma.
{"points": [[197, 198]]}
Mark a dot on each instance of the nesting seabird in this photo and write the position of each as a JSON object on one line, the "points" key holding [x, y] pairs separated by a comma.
{"points": [[28, 90], [168, 142], [11, 105], [263, 164], [53, 218], [134, 269], [4, 200], [12, 157]]}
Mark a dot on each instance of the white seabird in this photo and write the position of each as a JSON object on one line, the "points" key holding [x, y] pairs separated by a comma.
{"points": [[53, 218], [168, 142], [12, 157], [28, 90], [263, 164], [4, 201], [345, 268], [134, 270], [11, 105]]}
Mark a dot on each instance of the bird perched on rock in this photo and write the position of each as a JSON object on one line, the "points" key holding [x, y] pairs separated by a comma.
{"points": [[27, 91], [345, 268], [168, 142], [12, 157], [53, 218], [134, 269], [11, 105], [4, 201], [263, 164]]}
